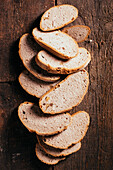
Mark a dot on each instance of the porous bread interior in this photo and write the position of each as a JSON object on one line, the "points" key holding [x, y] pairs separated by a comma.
{"points": [[33, 119], [66, 94], [44, 157], [56, 65], [57, 41], [34, 86], [73, 134], [58, 16]]}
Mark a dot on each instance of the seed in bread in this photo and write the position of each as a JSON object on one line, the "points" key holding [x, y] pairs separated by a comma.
{"points": [[66, 94], [44, 157], [59, 152], [57, 17], [35, 121], [28, 48], [78, 32], [55, 65], [73, 134], [34, 86], [57, 42]]}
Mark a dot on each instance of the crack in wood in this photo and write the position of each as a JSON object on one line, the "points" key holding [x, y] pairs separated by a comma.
{"points": [[55, 2]]}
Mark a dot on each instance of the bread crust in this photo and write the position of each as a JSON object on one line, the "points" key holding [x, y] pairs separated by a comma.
{"points": [[38, 133], [62, 24], [56, 148], [38, 75], [56, 87], [77, 141], [83, 26], [60, 70], [25, 88], [60, 159], [51, 49]]}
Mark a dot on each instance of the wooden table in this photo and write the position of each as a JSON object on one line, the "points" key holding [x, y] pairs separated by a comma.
{"points": [[16, 143]]}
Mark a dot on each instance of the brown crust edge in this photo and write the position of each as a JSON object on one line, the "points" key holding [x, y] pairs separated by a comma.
{"points": [[53, 70], [51, 49], [57, 148], [24, 88], [82, 136], [89, 31], [56, 87], [62, 24], [43, 160], [38, 133], [36, 75]]}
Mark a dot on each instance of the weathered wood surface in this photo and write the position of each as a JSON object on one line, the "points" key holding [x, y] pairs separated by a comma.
{"points": [[16, 143]]}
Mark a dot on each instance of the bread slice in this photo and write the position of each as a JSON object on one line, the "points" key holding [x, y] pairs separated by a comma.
{"points": [[28, 48], [78, 32], [35, 121], [34, 86], [57, 17], [55, 65], [73, 134], [44, 157], [66, 94], [57, 42], [59, 152]]}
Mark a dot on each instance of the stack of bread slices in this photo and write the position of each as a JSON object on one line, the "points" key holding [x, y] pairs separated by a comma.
{"points": [[55, 74]]}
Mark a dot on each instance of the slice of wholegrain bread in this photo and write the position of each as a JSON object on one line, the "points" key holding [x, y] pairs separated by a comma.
{"points": [[34, 86], [57, 17], [73, 134], [59, 152], [66, 94], [44, 157], [28, 48], [35, 121], [78, 32], [55, 65], [57, 42]]}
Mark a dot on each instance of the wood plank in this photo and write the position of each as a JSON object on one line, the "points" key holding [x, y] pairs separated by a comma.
{"points": [[17, 17], [17, 144], [96, 151]]}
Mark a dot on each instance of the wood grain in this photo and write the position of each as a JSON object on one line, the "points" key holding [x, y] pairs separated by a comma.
{"points": [[17, 18], [16, 143]]}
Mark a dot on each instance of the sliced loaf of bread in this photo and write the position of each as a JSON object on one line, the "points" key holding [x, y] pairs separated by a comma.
{"points": [[57, 42], [28, 48], [78, 32], [44, 157], [35, 121], [55, 65], [73, 134], [34, 86], [58, 16], [66, 94], [59, 152]]}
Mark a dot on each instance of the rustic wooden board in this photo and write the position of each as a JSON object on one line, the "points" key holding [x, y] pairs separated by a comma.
{"points": [[16, 143], [17, 18]]}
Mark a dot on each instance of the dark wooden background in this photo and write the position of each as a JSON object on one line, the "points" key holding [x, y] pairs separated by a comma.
{"points": [[16, 143]]}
